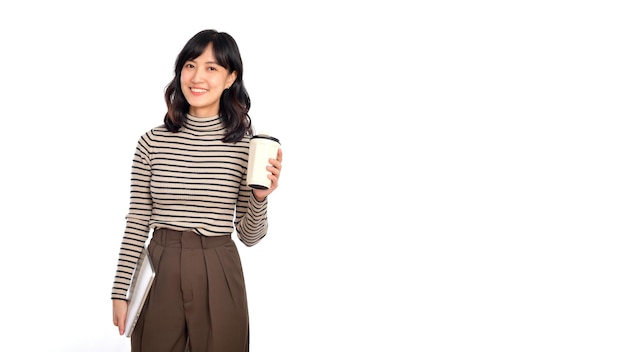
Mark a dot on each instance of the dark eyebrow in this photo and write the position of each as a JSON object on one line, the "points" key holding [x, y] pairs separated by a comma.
{"points": [[207, 62]]}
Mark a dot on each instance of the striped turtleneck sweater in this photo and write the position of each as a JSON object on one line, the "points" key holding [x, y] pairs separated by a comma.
{"points": [[188, 181]]}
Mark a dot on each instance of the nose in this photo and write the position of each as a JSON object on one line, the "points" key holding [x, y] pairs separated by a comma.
{"points": [[197, 76]]}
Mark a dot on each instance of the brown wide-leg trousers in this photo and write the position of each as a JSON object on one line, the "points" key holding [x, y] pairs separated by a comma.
{"points": [[198, 299]]}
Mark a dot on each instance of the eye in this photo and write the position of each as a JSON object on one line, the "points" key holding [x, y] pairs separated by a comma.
{"points": [[189, 65]]}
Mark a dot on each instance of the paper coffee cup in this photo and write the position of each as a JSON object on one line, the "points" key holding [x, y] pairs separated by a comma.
{"points": [[262, 148]]}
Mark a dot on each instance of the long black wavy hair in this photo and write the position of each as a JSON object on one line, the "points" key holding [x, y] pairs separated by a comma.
{"points": [[234, 102]]}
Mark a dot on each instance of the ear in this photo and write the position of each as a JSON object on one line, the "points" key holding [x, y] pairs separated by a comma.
{"points": [[231, 79]]}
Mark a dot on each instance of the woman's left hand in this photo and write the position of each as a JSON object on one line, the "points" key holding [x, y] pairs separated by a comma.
{"points": [[274, 169]]}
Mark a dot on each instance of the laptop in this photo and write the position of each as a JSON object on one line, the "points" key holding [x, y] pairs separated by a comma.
{"points": [[140, 285]]}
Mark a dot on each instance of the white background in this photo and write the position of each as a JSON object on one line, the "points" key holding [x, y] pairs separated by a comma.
{"points": [[453, 171]]}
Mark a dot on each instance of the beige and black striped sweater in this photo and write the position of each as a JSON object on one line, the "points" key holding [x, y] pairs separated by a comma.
{"points": [[189, 180]]}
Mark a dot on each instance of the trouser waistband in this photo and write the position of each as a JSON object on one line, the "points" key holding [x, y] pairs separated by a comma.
{"points": [[187, 239]]}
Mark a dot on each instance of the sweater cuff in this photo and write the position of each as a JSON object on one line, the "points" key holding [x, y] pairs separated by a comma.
{"points": [[255, 202]]}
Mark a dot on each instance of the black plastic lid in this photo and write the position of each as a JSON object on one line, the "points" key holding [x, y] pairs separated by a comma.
{"points": [[264, 136]]}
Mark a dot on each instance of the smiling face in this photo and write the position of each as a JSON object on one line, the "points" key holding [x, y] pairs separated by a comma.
{"points": [[202, 81]]}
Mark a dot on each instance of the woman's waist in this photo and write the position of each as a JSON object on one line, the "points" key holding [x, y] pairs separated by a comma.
{"points": [[168, 237]]}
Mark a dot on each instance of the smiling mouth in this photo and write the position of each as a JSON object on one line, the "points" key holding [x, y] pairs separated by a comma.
{"points": [[198, 90]]}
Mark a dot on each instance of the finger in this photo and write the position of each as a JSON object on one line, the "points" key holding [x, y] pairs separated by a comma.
{"points": [[273, 170], [279, 157], [275, 163], [274, 179], [121, 328]]}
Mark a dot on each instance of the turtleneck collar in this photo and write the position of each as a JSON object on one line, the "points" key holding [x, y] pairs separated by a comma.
{"points": [[213, 123]]}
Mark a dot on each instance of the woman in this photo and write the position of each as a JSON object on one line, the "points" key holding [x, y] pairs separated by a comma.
{"points": [[189, 185]]}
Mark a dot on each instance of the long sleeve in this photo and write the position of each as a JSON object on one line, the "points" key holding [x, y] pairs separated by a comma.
{"points": [[251, 217], [137, 220]]}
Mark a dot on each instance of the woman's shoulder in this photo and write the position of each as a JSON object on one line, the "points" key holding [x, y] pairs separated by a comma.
{"points": [[160, 128], [156, 130], [152, 134]]}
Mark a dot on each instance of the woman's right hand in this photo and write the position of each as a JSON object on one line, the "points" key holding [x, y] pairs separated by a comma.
{"points": [[120, 309]]}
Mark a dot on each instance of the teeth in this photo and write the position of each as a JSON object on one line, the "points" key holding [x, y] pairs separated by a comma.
{"points": [[198, 90]]}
